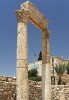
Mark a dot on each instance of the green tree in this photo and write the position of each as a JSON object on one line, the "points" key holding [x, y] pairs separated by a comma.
{"points": [[32, 73], [40, 56], [60, 69], [67, 68]]}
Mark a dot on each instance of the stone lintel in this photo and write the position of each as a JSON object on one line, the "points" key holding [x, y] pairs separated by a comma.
{"points": [[34, 15]]}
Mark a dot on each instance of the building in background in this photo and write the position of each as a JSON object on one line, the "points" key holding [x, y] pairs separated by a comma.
{"points": [[53, 60]]}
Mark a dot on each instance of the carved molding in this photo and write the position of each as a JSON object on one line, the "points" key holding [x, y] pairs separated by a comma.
{"points": [[22, 16], [34, 14]]}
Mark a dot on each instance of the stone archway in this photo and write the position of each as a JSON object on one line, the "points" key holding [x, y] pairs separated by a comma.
{"points": [[28, 12]]}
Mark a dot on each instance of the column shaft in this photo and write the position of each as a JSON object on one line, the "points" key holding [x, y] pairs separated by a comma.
{"points": [[46, 68], [22, 61]]}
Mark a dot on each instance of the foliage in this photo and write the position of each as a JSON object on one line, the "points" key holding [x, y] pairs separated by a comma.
{"points": [[67, 68], [35, 98], [40, 56], [33, 78], [32, 73], [60, 69]]}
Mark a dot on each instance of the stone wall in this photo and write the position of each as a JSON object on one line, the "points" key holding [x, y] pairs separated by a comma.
{"points": [[8, 90], [35, 90], [58, 92]]}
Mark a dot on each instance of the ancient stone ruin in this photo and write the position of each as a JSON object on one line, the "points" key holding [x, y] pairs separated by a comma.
{"points": [[22, 88], [28, 12], [8, 90]]}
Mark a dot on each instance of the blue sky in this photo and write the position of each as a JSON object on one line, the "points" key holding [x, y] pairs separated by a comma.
{"points": [[57, 13]]}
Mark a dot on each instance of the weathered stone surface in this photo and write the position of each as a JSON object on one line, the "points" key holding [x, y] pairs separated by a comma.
{"points": [[46, 67], [8, 90], [35, 16], [28, 12], [22, 58]]}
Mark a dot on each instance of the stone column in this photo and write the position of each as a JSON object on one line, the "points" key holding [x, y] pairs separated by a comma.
{"points": [[22, 56], [46, 67]]}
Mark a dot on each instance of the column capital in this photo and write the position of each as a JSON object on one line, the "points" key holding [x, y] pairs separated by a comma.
{"points": [[22, 16], [47, 33]]}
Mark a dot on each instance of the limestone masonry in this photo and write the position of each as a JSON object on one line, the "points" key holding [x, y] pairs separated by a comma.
{"points": [[8, 90], [28, 12]]}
